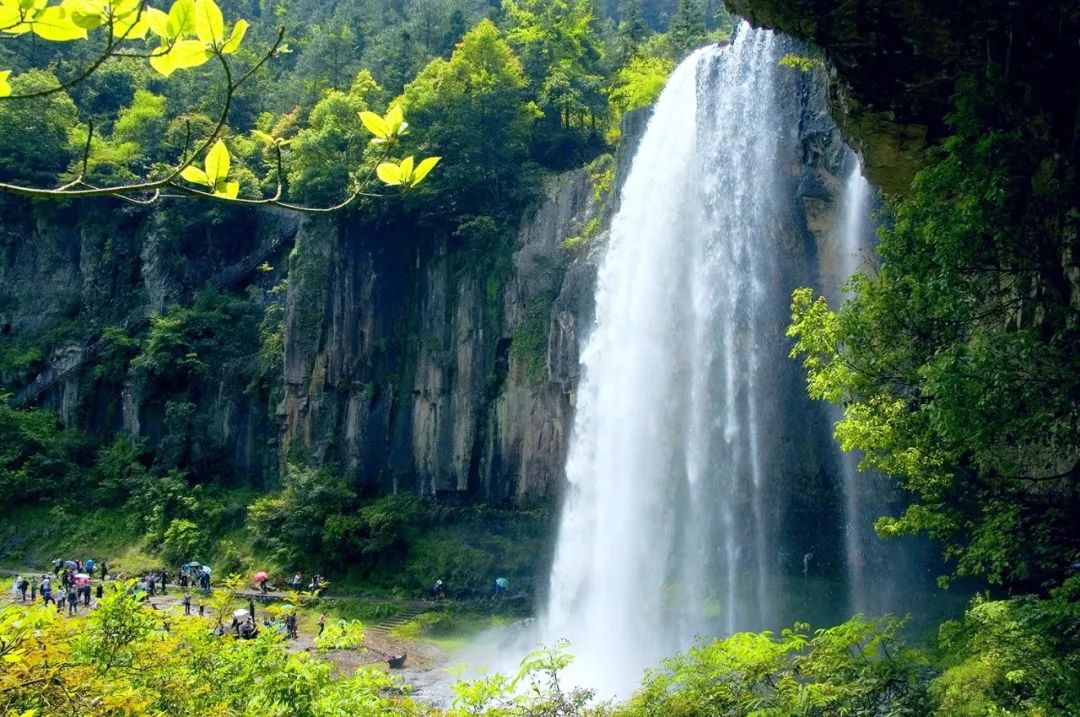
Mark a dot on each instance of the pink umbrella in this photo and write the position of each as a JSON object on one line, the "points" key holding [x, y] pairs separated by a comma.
{"points": [[82, 579], [261, 577]]}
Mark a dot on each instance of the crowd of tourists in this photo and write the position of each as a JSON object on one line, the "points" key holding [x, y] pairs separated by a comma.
{"points": [[68, 586]]}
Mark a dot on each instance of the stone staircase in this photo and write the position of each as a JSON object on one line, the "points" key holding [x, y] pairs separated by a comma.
{"points": [[139, 320], [413, 610]]}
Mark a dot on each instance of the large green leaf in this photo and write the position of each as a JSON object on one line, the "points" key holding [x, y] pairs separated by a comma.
{"points": [[424, 169], [87, 14], [53, 24], [181, 18], [229, 190], [184, 54], [389, 173], [159, 22], [395, 121], [406, 168], [209, 23], [237, 36], [132, 25], [217, 163], [195, 175], [375, 124]]}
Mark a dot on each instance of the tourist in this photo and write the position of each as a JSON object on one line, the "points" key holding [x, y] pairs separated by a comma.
{"points": [[104, 570], [500, 587], [100, 591], [46, 590], [322, 623], [61, 598], [57, 564], [73, 602], [251, 608], [164, 577], [290, 627], [187, 603], [21, 586], [86, 594], [90, 567], [438, 590]]}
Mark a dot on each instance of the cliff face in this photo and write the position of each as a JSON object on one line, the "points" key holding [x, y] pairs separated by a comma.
{"points": [[412, 371], [412, 365], [411, 361], [68, 274], [898, 64]]}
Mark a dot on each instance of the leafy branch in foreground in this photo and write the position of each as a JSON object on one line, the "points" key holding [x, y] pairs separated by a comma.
{"points": [[191, 34]]}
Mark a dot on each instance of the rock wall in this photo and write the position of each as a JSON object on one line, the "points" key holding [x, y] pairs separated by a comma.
{"points": [[410, 371], [412, 362], [67, 273], [897, 63]]}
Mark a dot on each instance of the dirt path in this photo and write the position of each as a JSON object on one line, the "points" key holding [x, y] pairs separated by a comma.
{"points": [[424, 665]]}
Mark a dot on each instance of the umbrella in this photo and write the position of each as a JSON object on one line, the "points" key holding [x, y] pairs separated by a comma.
{"points": [[240, 614], [82, 578], [261, 577], [70, 564], [206, 569], [502, 582]]}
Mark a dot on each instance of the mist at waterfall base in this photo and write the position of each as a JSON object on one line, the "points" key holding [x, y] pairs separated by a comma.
{"points": [[705, 493]]}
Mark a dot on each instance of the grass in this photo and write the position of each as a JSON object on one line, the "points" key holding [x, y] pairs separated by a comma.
{"points": [[450, 628], [35, 536]]}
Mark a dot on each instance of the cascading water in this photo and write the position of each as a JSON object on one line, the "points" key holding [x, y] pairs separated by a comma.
{"points": [[705, 494], [669, 528], [856, 239], [883, 576]]}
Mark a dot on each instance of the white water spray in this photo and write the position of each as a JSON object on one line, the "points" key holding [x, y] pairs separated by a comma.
{"points": [[668, 528], [857, 238]]}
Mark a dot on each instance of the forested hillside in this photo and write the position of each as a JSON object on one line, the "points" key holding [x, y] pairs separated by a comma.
{"points": [[174, 424], [301, 286]]}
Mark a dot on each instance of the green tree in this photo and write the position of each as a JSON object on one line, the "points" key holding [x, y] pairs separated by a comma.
{"points": [[475, 110], [190, 34], [292, 524], [327, 154], [639, 83], [632, 28], [687, 30], [861, 668], [957, 362], [35, 144]]}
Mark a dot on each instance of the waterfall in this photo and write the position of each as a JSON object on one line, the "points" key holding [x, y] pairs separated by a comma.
{"points": [[669, 526], [857, 237]]}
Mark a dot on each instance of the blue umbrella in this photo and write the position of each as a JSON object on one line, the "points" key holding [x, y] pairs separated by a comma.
{"points": [[502, 582]]}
